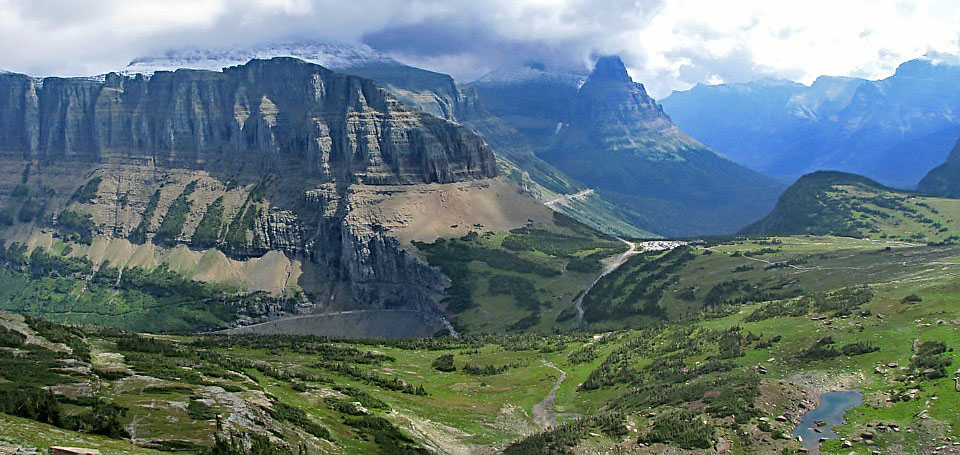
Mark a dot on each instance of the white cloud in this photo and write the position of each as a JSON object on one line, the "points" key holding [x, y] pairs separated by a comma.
{"points": [[666, 44]]}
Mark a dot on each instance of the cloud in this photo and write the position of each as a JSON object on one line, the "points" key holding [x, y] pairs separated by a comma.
{"points": [[667, 45]]}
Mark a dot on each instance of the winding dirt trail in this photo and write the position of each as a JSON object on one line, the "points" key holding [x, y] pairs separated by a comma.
{"points": [[543, 414]]}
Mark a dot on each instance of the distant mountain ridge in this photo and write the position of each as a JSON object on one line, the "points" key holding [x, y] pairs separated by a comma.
{"points": [[893, 130], [944, 180], [610, 134]]}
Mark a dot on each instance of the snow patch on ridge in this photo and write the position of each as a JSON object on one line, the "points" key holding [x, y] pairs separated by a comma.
{"points": [[333, 56]]}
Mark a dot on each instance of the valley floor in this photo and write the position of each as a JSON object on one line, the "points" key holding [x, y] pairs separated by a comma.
{"points": [[733, 374]]}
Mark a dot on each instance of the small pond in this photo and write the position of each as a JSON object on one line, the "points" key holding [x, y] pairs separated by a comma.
{"points": [[832, 407]]}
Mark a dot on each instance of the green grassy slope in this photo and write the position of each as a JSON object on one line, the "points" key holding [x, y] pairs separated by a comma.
{"points": [[522, 280], [853, 307], [836, 203]]}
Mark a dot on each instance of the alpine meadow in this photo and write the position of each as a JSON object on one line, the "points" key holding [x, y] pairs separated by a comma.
{"points": [[449, 227]]}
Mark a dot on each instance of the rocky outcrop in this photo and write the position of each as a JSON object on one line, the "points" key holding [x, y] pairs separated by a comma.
{"points": [[609, 97], [281, 230], [279, 114], [383, 275]]}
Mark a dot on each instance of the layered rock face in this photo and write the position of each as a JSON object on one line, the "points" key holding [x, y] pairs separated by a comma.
{"points": [[439, 95], [274, 114], [273, 173]]}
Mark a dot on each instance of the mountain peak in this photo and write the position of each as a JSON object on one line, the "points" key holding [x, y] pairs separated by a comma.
{"points": [[610, 68], [610, 97]]}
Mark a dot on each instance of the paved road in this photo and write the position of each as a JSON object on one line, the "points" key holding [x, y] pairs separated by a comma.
{"points": [[569, 197], [613, 265]]}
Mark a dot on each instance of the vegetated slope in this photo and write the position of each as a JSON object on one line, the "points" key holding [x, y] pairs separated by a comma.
{"points": [[944, 180], [837, 203], [435, 93], [892, 130], [523, 280], [613, 137], [275, 179], [733, 370]]}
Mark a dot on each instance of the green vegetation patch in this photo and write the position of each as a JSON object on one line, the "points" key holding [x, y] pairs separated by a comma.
{"points": [[88, 191], [75, 226], [207, 234], [172, 224], [139, 233]]}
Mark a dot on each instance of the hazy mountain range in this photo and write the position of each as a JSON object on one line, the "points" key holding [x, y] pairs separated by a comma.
{"points": [[893, 130]]}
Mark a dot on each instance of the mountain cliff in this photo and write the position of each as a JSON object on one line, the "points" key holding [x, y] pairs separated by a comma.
{"points": [[944, 180], [277, 176], [275, 114], [435, 93], [615, 138], [893, 130]]}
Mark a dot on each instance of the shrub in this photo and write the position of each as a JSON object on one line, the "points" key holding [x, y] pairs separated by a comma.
{"points": [[207, 233], [444, 363], [198, 410], [296, 416], [139, 233], [930, 360], [76, 226], [87, 192], [912, 298], [11, 338], [821, 349], [34, 404], [390, 439], [681, 428], [858, 348]]}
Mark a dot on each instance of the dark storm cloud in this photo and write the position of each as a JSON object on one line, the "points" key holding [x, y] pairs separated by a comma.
{"points": [[665, 44], [495, 34]]}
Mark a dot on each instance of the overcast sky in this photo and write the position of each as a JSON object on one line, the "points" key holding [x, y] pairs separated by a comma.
{"points": [[667, 45]]}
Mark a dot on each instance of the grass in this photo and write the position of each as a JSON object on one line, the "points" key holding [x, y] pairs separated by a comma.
{"points": [[533, 258], [469, 411]]}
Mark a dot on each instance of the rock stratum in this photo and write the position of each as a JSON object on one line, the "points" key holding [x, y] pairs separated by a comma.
{"points": [[276, 177], [439, 95], [270, 113]]}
